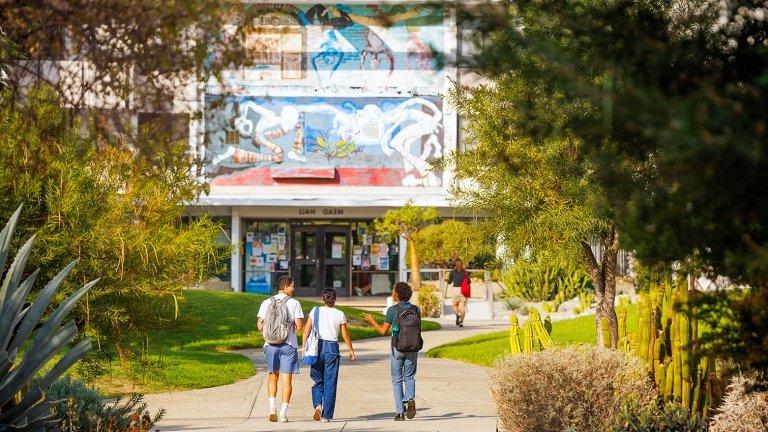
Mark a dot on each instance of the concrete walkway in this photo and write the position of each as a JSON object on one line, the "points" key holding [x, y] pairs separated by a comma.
{"points": [[450, 396]]}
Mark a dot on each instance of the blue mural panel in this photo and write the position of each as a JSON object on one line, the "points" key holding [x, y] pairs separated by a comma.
{"points": [[399, 135], [365, 46]]}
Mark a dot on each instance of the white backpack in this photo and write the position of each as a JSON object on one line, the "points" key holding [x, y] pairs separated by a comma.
{"points": [[277, 322]]}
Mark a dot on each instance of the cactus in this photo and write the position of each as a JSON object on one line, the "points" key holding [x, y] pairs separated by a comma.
{"points": [[529, 341], [514, 335], [23, 402], [666, 335], [540, 333]]}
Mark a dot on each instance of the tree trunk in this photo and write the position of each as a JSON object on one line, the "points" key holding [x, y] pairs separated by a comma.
{"points": [[604, 279], [413, 264]]}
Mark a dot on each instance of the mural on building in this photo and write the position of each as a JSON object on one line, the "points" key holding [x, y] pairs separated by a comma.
{"points": [[369, 141], [367, 46]]}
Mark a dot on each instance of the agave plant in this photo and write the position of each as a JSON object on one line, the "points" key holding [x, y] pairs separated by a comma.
{"points": [[23, 403]]}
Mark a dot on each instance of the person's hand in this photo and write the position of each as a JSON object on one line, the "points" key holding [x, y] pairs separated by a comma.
{"points": [[369, 319], [351, 356]]}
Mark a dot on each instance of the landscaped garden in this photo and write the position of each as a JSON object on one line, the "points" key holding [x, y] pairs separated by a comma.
{"points": [[194, 352]]}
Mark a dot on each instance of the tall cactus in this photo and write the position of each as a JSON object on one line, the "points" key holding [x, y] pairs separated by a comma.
{"points": [[667, 332], [23, 403], [514, 335]]}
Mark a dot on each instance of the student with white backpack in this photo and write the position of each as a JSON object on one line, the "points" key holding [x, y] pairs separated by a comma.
{"points": [[279, 317], [320, 342]]}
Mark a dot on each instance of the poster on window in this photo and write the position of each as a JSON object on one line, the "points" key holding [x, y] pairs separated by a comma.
{"points": [[356, 260], [249, 237], [336, 250], [384, 263], [383, 250]]}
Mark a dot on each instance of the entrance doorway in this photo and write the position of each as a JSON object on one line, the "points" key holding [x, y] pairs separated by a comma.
{"points": [[320, 259]]}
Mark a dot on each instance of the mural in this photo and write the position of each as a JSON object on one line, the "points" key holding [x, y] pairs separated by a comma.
{"points": [[368, 141], [367, 46]]}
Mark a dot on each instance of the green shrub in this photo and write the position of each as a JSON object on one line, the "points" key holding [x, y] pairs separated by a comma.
{"points": [[437, 245], [543, 281], [581, 389], [429, 301], [83, 409], [514, 304], [669, 418]]}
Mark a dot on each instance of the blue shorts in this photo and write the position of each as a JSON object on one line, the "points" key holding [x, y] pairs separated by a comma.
{"points": [[283, 358]]}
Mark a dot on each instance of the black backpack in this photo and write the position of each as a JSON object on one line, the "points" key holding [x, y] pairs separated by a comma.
{"points": [[408, 337]]}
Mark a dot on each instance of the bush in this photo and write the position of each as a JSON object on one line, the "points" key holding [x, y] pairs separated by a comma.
{"points": [[429, 301], [744, 407], [83, 409], [514, 303], [437, 245], [543, 281], [670, 418], [580, 388]]}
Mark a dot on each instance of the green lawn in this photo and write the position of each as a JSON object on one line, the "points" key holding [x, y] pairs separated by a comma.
{"points": [[193, 353], [484, 349]]}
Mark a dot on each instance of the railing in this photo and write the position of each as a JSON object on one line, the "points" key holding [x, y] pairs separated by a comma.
{"points": [[439, 278]]}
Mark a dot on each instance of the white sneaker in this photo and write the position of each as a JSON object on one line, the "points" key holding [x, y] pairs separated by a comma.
{"points": [[283, 420], [325, 420], [292, 155]]}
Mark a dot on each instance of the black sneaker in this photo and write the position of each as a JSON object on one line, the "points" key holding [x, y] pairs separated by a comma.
{"points": [[400, 417], [410, 408], [458, 320]]}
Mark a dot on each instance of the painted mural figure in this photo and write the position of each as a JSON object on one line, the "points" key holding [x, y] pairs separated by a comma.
{"points": [[375, 48], [268, 128], [418, 52], [330, 54]]}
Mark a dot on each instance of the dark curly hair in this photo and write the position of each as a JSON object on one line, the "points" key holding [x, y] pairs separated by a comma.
{"points": [[329, 296], [403, 291]]}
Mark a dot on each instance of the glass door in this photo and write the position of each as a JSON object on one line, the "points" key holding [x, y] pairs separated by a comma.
{"points": [[335, 262], [306, 263], [320, 259]]}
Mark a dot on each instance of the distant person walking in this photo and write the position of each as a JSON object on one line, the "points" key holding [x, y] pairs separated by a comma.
{"points": [[405, 321], [327, 320], [459, 278], [279, 317]]}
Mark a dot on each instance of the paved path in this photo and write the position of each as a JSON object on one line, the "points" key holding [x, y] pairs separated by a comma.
{"points": [[450, 396]]}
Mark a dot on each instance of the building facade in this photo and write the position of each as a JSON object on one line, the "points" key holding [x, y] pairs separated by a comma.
{"points": [[342, 116]]}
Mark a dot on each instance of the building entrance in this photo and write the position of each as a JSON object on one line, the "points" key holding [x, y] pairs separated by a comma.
{"points": [[320, 259]]}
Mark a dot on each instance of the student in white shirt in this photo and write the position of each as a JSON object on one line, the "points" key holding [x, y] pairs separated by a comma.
{"points": [[325, 371], [282, 358]]}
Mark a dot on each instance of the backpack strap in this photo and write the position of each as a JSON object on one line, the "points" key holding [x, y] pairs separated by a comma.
{"points": [[316, 321]]}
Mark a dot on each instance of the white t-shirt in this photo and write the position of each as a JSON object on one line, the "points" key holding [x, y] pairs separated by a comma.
{"points": [[329, 319], [294, 312]]}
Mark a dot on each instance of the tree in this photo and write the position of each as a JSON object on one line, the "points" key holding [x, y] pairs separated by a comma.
{"points": [[132, 55], [439, 244], [536, 186], [408, 221], [672, 112], [119, 212]]}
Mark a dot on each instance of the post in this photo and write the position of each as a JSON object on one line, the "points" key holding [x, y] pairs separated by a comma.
{"points": [[402, 263], [236, 261]]}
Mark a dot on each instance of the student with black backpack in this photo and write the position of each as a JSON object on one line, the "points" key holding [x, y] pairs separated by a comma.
{"points": [[405, 321]]}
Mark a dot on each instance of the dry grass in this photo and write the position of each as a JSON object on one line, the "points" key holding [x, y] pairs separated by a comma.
{"points": [[744, 408], [580, 388]]}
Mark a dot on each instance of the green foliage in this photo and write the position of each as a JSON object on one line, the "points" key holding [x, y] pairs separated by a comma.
{"points": [[439, 244], [665, 341], [408, 220], [544, 281], [84, 409], [117, 210], [657, 92], [428, 301], [24, 404], [670, 418], [514, 303]]}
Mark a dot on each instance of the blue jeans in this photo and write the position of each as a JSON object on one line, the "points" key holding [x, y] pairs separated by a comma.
{"points": [[325, 374], [403, 372]]}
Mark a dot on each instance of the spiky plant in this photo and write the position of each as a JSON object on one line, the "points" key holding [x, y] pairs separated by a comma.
{"points": [[23, 402]]}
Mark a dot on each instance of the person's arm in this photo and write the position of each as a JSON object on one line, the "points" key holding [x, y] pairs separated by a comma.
{"points": [[305, 331], [348, 341], [260, 324], [381, 328]]}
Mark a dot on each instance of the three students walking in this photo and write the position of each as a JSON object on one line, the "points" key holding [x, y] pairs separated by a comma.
{"points": [[281, 315]]}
